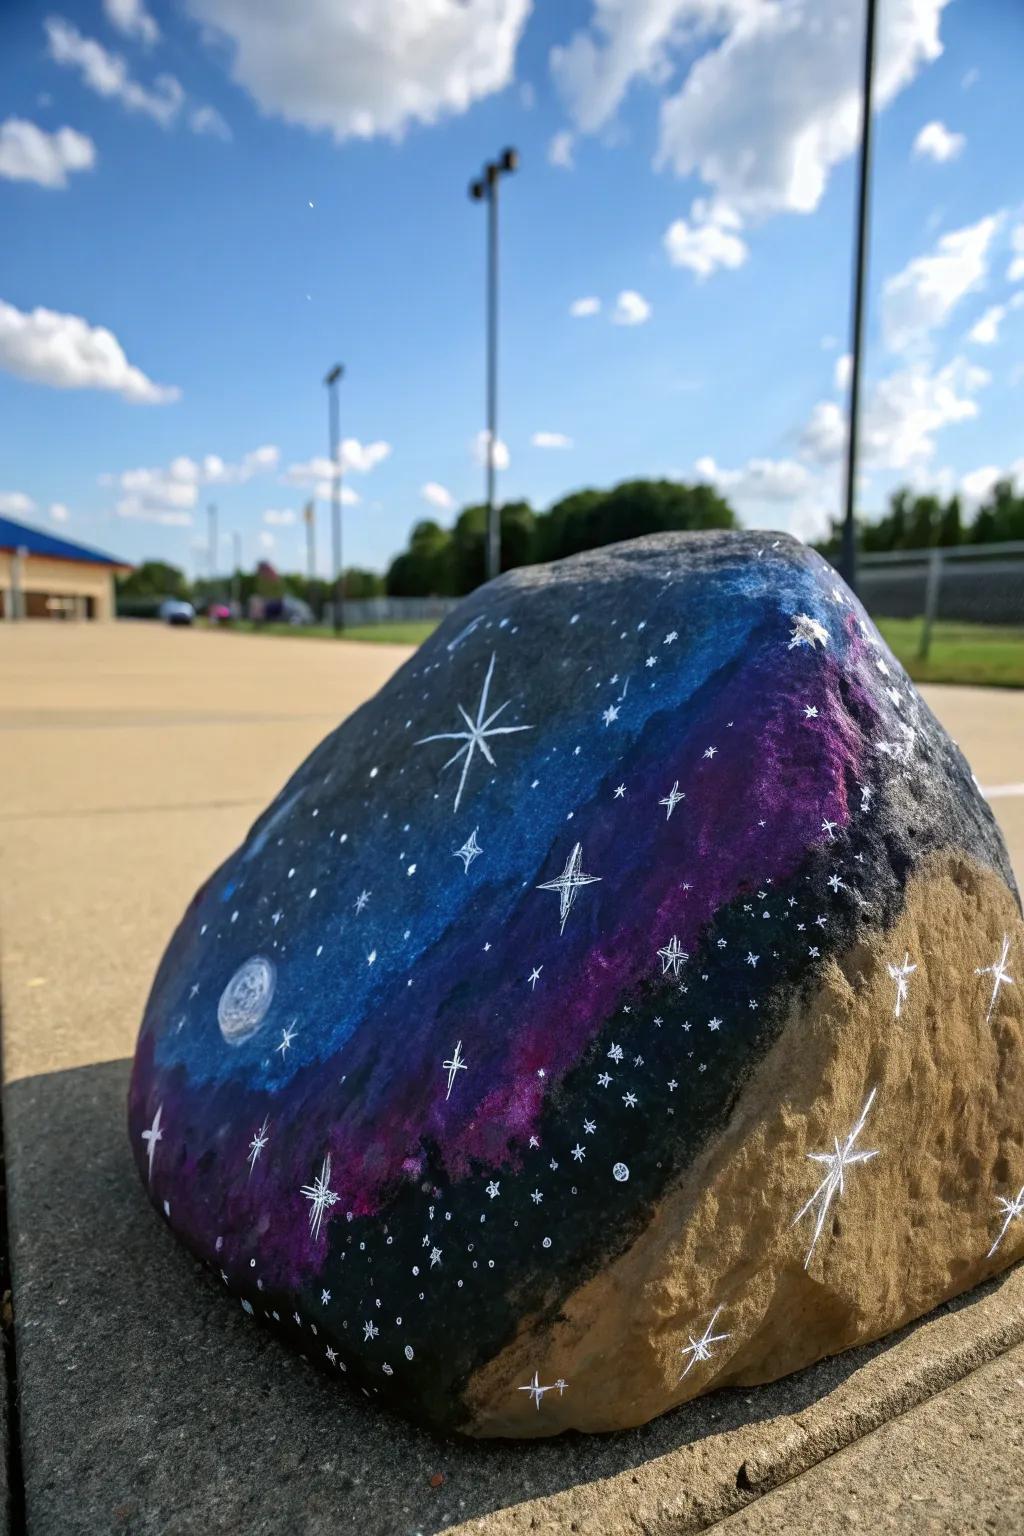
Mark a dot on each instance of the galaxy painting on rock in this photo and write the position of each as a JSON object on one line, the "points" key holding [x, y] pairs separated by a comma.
{"points": [[427, 1053]]}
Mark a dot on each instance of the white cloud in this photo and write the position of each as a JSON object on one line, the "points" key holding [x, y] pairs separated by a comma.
{"points": [[551, 440], [985, 330], [709, 242], [560, 150], [1015, 271], [902, 415], [363, 457], [59, 512], [108, 75], [759, 479], [67, 352], [936, 142], [279, 518], [631, 308], [761, 487], [977, 483], [318, 471], [266, 540], [770, 107], [823, 439], [829, 343], [580, 308], [842, 371], [437, 495], [15, 503], [501, 453], [132, 18], [138, 512], [922, 297], [150, 493], [208, 121], [28, 153], [367, 69], [971, 77]]}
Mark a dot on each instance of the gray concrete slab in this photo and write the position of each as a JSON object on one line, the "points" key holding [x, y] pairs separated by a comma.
{"points": [[149, 1402], [951, 1467]]}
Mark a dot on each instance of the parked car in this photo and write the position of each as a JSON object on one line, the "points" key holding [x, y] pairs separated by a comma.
{"points": [[174, 611]]}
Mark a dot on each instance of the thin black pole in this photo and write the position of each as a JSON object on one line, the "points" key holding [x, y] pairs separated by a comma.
{"points": [[493, 525], [338, 602], [849, 553]]}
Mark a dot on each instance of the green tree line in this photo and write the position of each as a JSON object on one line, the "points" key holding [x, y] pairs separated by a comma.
{"points": [[923, 521], [448, 562]]}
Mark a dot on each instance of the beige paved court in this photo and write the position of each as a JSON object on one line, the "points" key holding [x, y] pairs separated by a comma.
{"points": [[133, 758]]}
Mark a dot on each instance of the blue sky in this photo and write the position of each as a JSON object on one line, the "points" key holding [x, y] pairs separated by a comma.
{"points": [[242, 201]]}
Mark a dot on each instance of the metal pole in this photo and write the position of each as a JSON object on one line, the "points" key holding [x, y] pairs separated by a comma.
{"points": [[236, 578], [493, 523], [338, 600], [931, 602], [309, 513], [211, 513], [849, 554]]}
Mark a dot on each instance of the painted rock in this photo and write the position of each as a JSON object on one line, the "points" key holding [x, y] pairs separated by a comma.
{"points": [[624, 1003]]}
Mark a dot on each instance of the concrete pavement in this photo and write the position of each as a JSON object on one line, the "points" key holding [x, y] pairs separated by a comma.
{"points": [[132, 760]]}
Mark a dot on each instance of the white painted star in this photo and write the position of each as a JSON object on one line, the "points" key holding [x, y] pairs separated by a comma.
{"points": [[672, 956], [257, 1144], [752, 959], [537, 1392], [320, 1196], [1000, 975], [493, 1189], [1012, 1209], [710, 752], [534, 976], [610, 714], [807, 631], [476, 734], [901, 975], [700, 1349], [469, 851], [452, 1066], [810, 712], [152, 1136], [620, 791], [672, 799], [837, 1163], [579, 1153], [569, 883]]}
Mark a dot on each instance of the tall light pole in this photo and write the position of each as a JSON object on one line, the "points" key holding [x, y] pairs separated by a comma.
{"points": [[486, 188], [338, 602], [848, 561], [236, 575], [211, 513], [309, 518]]}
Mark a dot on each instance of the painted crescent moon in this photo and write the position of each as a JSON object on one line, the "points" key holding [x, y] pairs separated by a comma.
{"points": [[244, 1002]]}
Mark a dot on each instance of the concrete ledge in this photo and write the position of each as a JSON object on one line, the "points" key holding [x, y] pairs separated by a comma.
{"points": [[149, 1403]]}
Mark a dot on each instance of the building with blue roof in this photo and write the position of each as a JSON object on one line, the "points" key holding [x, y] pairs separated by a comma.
{"points": [[43, 576]]}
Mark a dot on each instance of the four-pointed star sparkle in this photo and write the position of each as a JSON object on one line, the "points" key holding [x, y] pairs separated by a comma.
{"points": [[569, 883], [832, 1184]]}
